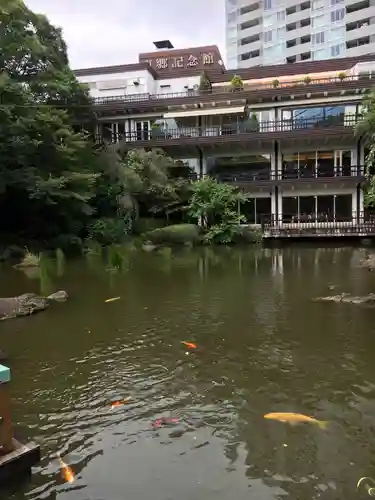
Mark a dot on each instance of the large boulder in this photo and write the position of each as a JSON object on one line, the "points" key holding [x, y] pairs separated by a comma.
{"points": [[346, 298], [28, 303]]}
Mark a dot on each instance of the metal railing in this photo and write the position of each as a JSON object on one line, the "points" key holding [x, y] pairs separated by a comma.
{"points": [[229, 89], [328, 171], [319, 224], [233, 129]]}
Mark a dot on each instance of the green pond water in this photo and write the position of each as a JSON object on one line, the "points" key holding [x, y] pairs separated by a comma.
{"points": [[263, 346]]}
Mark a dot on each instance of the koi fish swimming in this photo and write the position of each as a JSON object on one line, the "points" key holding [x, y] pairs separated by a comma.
{"points": [[190, 345], [365, 481], [66, 471], [120, 402], [160, 422], [295, 418], [113, 299]]}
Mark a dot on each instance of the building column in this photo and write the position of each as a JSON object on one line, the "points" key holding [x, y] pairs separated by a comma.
{"points": [[361, 205], [6, 430], [274, 206], [354, 205]]}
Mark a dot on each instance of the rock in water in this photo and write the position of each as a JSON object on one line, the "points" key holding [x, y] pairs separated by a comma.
{"points": [[28, 303], [348, 299], [23, 305], [60, 296]]}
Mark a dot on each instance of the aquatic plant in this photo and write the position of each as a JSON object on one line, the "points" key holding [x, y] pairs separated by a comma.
{"points": [[60, 262], [29, 260]]}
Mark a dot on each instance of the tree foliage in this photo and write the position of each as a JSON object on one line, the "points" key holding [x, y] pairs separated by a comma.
{"points": [[365, 129], [217, 206], [46, 174]]}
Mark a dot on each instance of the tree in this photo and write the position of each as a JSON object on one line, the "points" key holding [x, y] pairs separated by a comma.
{"points": [[217, 205], [46, 170], [365, 129]]}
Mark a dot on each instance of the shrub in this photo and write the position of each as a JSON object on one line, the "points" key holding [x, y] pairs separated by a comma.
{"points": [[307, 80], [341, 76], [236, 82], [276, 83], [249, 234], [179, 234], [107, 231]]}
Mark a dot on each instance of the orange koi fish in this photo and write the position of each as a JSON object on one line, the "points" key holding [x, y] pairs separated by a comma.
{"points": [[295, 418], [119, 402], [190, 345], [66, 471]]}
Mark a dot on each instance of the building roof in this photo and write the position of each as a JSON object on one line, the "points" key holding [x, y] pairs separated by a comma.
{"points": [[277, 70], [120, 68], [218, 73]]}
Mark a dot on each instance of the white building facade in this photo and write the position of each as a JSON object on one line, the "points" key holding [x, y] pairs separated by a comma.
{"points": [[264, 32]]}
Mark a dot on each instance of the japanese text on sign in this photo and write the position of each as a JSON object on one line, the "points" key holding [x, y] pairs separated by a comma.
{"points": [[192, 61]]}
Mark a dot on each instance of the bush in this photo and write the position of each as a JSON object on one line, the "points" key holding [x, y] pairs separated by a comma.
{"points": [[107, 231], [249, 234], [179, 234]]}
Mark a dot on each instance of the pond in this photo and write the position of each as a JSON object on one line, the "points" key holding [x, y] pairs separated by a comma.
{"points": [[263, 346]]}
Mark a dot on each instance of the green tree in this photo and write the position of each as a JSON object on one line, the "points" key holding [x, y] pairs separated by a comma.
{"points": [[46, 171], [216, 205], [365, 130]]}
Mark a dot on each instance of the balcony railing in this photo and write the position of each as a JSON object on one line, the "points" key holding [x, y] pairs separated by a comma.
{"points": [[313, 173], [144, 97], [319, 224], [234, 129]]}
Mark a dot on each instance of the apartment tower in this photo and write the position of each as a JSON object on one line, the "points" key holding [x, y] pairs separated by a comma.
{"points": [[267, 32]]}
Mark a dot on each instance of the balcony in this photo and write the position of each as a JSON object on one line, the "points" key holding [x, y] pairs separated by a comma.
{"points": [[356, 225], [242, 136], [251, 92]]}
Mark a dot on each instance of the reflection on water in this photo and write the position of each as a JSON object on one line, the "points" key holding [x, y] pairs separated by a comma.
{"points": [[262, 346]]}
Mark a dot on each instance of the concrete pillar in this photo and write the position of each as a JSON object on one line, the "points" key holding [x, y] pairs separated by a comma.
{"points": [[361, 206], [6, 429], [354, 206], [280, 207], [274, 206]]}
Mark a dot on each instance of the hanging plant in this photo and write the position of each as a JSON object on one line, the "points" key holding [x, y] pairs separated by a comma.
{"points": [[276, 83], [341, 76], [307, 80]]}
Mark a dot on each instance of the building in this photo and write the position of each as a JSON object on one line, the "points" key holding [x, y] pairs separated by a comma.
{"points": [[286, 136], [274, 32]]}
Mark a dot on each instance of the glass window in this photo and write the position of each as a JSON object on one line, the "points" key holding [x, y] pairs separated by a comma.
{"points": [[269, 20], [318, 21], [337, 50], [321, 54], [281, 32], [318, 38], [335, 2], [317, 4], [338, 33], [268, 36], [232, 17], [281, 15], [337, 15], [267, 5]]}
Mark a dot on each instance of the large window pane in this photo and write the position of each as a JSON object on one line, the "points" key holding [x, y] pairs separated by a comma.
{"points": [[307, 209], [325, 164], [343, 204], [325, 208], [290, 209], [263, 210]]}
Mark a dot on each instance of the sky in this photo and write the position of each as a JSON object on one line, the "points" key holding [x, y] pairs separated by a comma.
{"points": [[114, 31]]}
